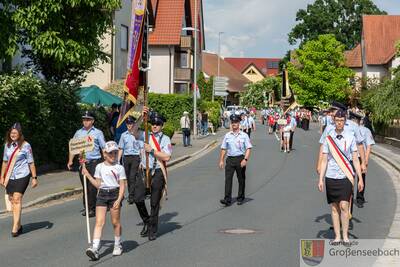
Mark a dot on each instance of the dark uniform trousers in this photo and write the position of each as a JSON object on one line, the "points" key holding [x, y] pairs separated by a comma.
{"points": [[135, 183], [233, 165], [157, 187], [248, 131], [360, 194], [291, 140], [91, 189]]}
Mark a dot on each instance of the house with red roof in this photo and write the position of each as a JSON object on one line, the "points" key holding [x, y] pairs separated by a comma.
{"points": [[236, 81], [375, 56], [172, 47], [255, 69]]}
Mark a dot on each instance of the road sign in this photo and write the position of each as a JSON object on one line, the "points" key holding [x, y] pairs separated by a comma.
{"points": [[219, 93], [220, 84]]}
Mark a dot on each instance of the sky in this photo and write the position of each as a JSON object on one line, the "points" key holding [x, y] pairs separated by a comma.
{"points": [[258, 28]]}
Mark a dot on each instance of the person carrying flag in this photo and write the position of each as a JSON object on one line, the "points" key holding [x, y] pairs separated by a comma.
{"points": [[160, 150], [337, 173]]}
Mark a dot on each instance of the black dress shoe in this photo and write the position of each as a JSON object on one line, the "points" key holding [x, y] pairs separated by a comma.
{"points": [[152, 236], [225, 202], [83, 213], [145, 230], [17, 233], [240, 201], [92, 213], [130, 202]]}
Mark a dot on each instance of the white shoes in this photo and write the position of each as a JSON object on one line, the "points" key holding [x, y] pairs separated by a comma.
{"points": [[117, 250], [92, 253]]}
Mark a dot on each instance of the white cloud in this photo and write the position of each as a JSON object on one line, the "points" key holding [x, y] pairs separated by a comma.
{"points": [[257, 28]]}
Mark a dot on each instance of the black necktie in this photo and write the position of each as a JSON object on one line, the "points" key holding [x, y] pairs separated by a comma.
{"points": [[14, 144], [339, 136]]}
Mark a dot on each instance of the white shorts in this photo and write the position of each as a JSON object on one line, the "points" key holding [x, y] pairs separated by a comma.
{"points": [[286, 134]]}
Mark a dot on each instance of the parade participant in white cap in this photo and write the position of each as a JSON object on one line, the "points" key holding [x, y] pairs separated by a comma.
{"points": [[109, 178], [185, 127]]}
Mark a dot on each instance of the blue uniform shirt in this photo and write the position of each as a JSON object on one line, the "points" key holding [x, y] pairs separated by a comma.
{"points": [[23, 159], [349, 126], [368, 137], [99, 142], [165, 146], [129, 144], [293, 123], [236, 144], [347, 144]]}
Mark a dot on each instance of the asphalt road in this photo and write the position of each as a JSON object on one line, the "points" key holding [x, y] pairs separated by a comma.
{"points": [[283, 206]]}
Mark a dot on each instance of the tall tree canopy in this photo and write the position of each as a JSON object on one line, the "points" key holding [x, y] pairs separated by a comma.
{"points": [[319, 73], [343, 18], [62, 38]]}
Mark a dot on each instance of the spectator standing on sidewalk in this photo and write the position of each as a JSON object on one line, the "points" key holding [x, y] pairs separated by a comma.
{"points": [[185, 126], [92, 158], [16, 170], [204, 122]]}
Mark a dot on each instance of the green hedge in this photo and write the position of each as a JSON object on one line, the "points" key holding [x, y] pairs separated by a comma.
{"points": [[171, 106], [47, 112]]}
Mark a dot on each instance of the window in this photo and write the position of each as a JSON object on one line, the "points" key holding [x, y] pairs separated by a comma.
{"points": [[251, 72], [124, 37], [273, 64], [181, 88]]}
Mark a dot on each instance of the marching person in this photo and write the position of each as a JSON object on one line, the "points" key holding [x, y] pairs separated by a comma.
{"points": [[129, 153], [92, 158], [109, 178], [286, 137], [368, 142], [17, 168], [293, 126], [160, 150], [236, 145], [185, 127], [336, 170]]}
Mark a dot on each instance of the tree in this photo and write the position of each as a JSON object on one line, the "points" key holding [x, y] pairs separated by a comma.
{"points": [[343, 18], [319, 72], [205, 87], [8, 44], [258, 92], [62, 39]]}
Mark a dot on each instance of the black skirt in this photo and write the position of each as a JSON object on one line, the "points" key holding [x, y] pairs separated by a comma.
{"points": [[338, 190], [18, 185]]}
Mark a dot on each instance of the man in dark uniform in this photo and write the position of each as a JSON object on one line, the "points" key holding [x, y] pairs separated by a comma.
{"points": [[160, 150], [236, 145], [92, 158]]}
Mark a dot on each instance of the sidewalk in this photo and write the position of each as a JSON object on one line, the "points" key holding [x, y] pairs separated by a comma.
{"points": [[391, 155], [63, 183]]}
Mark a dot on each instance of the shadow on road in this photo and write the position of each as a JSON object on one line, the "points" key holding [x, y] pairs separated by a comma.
{"points": [[166, 226], [127, 245], [30, 227], [329, 233]]}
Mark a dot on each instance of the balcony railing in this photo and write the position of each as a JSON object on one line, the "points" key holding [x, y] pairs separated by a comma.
{"points": [[187, 42], [183, 74]]}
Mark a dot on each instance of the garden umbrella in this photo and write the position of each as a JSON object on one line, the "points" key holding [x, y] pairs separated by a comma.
{"points": [[95, 95]]}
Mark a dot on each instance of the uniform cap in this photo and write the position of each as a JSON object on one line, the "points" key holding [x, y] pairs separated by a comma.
{"points": [[338, 105], [235, 118], [340, 114], [111, 146], [353, 115], [130, 120], [17, 126], [88, 115], [156, 118]]}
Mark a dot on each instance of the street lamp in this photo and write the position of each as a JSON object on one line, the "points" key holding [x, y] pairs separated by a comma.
{"points": [[195, 30], [219, 55]]}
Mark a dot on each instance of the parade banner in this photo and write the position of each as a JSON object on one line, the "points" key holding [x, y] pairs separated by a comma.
{"points": [[133, 80], [341, 159], [282, 122], [79, 145]]}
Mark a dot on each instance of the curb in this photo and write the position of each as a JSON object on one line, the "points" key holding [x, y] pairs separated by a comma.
{"points": [[75, 191], [394, 165]]}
